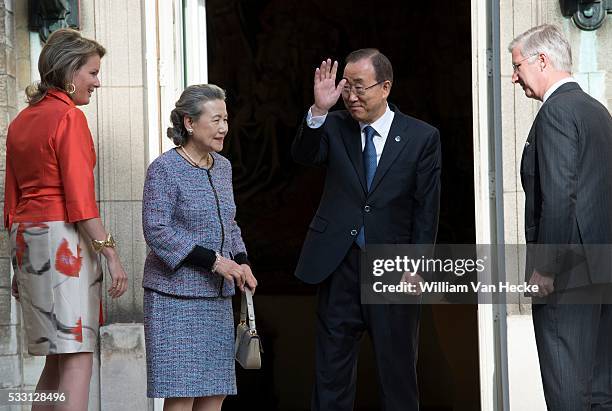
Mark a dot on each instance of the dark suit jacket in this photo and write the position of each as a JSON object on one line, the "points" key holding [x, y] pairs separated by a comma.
{"points": [[403, 202], [566, 172]]}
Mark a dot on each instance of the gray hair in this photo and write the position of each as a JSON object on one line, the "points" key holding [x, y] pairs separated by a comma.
{"points": [[65, 52], [547, 39], [190, 104]]}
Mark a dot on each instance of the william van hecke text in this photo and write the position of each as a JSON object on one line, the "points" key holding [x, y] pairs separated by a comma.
{"points": [[448, 287]]}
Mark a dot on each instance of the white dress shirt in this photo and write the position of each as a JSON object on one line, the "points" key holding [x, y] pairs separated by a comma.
{"points": [[381, 126]]}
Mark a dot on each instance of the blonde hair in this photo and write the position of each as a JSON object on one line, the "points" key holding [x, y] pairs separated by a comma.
{"points": [[65, 52]]}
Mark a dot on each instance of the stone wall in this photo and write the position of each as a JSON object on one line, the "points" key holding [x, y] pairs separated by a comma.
{"points": [[118, 122], [10, 344], [592, 68]]}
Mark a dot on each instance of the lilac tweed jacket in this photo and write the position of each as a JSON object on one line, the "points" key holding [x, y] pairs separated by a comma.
{"points": [[184, 206]]}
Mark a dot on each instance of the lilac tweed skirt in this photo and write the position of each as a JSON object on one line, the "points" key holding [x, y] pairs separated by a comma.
{"points": [[190, 346]]}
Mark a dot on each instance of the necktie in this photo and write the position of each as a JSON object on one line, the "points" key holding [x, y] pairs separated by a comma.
{"points": [[369, 165], [369, 155]]}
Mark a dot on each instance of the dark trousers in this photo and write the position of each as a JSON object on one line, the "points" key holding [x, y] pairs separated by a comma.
{"points": [[341, 322], [575, 351]]}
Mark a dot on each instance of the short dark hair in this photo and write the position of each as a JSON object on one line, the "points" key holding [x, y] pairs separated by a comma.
{"points": [[382, 66]]}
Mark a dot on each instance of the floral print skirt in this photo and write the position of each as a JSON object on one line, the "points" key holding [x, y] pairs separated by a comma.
{"points": [[60, 285]]}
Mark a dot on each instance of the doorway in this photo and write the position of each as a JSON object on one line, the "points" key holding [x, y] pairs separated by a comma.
{"points": [[263, 53]]}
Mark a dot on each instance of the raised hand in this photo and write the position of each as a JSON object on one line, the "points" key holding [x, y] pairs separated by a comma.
{"points": [[326, 93]]}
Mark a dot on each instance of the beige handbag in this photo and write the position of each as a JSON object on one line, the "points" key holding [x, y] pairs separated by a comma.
{"points": [[248, 346]]}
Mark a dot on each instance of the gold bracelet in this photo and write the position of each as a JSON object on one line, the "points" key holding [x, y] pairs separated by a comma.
{"points": [[98, 245]]}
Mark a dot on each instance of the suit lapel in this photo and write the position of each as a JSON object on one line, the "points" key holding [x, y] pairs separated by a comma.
{"points": [[351, 136], [528, 160], [530, 140], [396, 141]]}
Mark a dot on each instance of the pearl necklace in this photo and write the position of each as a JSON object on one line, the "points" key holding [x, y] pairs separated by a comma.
{"points": [[193, 161]]}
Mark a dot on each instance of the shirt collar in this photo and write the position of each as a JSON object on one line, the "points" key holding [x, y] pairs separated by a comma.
{"points": [[382, 125], [60, 95], [555, 86]]}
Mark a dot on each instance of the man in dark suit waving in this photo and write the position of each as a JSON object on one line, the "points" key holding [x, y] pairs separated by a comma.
{"points": [[382, 187], [566, 171]]}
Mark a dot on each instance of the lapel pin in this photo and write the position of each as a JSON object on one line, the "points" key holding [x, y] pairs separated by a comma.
{"points": [[526, 143], [398, 138]]}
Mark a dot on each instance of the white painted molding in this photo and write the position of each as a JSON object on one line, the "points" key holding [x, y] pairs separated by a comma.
{"points": [[154, 137], [171, 62], [196, 47]]}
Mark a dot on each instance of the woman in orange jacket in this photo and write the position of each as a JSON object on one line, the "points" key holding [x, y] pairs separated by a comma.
{"points": [[51, 212]]}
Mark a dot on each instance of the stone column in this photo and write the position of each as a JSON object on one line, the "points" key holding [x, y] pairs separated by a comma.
{"points": [[118, 121], [123, 373], [10, 344]]}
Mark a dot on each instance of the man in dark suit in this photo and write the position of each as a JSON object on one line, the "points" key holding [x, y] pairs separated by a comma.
{"points": [[382, 187], [566, 172]]}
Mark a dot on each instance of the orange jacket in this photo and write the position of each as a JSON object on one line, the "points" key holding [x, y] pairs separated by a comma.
{"points": [[49, 164]]}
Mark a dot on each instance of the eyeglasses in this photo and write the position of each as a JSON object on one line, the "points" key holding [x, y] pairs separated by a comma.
{"points": [[515, 66], [358, 90]]}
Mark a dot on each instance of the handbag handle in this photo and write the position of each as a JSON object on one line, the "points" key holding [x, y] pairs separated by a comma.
{"points": [[247, 308]]}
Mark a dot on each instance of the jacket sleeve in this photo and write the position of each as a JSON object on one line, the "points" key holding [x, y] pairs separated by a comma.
{"points": [[168, 242], [11, 193], [557, 158], [76, 157], [237, 243], [427, 192], [310, 146], [238, 246]]}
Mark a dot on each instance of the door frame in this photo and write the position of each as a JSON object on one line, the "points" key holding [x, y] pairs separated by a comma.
{"points": [[176, 55], [488, 197]]}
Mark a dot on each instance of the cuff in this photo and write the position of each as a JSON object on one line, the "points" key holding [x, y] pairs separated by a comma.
{"points": [[314, 121], [201, 257], [241, 258]]}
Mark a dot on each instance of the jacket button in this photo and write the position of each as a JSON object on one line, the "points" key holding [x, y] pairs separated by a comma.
{"points": [[366, 209], [353, 232]]}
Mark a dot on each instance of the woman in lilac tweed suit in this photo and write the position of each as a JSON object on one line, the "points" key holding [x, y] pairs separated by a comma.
{"points": [[197, 259]]}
